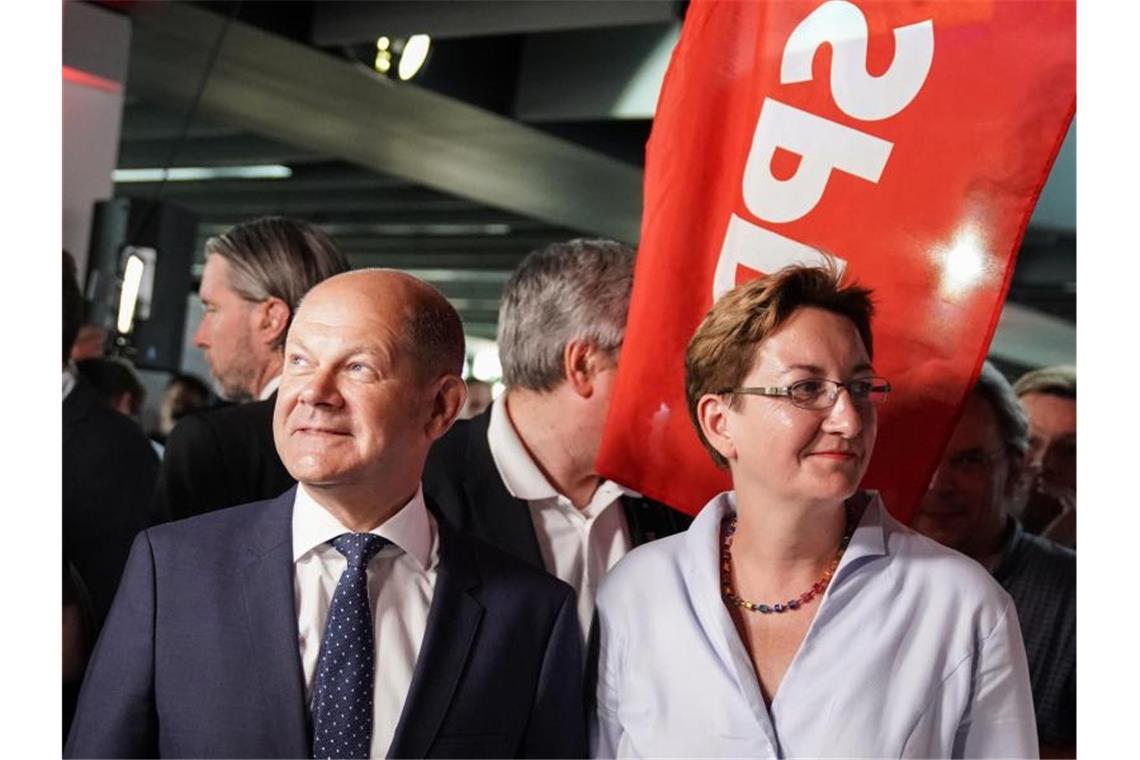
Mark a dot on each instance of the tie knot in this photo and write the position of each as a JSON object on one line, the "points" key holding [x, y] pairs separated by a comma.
{"points": [[359, 548]]}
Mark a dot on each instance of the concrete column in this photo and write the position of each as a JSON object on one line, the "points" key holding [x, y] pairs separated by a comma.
{"points": [[96, 46]]}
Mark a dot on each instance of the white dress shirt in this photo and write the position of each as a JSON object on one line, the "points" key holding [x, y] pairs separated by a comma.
{"points": [[401, 583], [915, 651], [578, 546]]}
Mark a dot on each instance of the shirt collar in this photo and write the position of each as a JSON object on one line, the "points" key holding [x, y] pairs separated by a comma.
{"points": [[520, 475], [269, 389], [867, 540], [869, 537], [409, 529], [69, 379]]}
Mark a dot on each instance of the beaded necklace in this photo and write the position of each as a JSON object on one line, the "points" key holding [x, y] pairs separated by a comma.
{"points": [[728, 529]]}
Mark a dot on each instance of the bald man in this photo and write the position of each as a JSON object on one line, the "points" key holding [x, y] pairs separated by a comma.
{"points": [[341, 619]]}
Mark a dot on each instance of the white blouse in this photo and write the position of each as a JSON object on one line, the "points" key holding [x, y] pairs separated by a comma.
{"points": [[915, 651]]}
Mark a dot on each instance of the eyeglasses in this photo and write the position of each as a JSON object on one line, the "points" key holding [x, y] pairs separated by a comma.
{"points": [[821, 393]]}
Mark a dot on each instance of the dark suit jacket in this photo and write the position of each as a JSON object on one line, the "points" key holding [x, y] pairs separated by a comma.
{"points": [[220, 458], [109, 470], [199, 657], [461, 478]]}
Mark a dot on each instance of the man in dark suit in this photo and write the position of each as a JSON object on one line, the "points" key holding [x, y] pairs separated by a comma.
{"points": [[255, 275], [340, 619], [521, 475], [109, 469]]}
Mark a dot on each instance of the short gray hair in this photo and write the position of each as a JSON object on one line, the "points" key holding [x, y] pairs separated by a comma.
{"points": [[574, 290], [1060, 380], [998, 393], [277, 257]]}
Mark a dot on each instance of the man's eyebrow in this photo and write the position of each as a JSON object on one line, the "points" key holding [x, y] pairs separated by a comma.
{"points": [[294, 344], [364, 349]]}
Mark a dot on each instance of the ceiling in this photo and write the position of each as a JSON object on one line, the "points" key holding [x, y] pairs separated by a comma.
{"points": [[526, 126]]}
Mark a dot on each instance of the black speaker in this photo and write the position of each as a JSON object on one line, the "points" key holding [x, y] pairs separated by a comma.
{"points": [[159, 237]]}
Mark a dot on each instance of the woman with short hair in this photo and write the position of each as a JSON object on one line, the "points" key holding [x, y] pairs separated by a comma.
{"points": [[796, 617]]}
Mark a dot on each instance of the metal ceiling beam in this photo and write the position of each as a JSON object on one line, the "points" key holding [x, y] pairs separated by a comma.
{"points": [[233, 150], [347, 23], [502, 262], [278, 200], [143, 120], [288, 92], [311, 181]]}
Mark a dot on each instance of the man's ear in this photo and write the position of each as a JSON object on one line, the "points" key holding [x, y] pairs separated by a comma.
{"points": [[582, 360], [271, 320], [450, 393], [712, 413]]}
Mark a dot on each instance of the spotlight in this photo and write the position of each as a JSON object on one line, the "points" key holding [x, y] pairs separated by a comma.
{"points": [[410, 53], [129, 298], [383, 55], [415, 53]]}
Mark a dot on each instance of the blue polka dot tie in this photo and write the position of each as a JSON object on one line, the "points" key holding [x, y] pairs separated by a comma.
{"points": [[342, 693]]}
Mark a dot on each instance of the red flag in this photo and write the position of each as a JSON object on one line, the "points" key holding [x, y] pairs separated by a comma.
{"points": [[908, 139]]}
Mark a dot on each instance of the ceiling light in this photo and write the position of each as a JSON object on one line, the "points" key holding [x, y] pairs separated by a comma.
{"points": [[413, 56], [132, 280], [383, 55], [199, 173]]}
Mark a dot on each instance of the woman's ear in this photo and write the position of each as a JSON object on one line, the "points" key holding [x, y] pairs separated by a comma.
{"points": [[712, 413]]}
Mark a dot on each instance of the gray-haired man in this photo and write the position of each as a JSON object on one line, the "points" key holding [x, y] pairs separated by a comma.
{"points": [[969, 506], [255, 276], [521, 475]]}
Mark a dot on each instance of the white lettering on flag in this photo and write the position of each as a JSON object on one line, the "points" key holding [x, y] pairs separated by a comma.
{"points": [[857, 93], [761, 249], [822, 146]]}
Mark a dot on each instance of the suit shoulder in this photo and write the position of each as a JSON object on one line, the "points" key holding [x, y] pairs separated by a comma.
{"points": [[499, 570], [450, 449], [234, 416], [116, 436], [220, 527], [214, 434]]}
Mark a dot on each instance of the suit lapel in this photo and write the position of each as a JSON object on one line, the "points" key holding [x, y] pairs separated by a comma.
{"points": [[503, 520], [634, 511], [267, 581], [452, 623]]}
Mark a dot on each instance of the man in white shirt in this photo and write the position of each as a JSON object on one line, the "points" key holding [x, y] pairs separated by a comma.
{"points": [[340, 619], [521, 475], [255, 275]]}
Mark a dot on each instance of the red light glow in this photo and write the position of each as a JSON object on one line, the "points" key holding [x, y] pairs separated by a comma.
{"points": [[90, 80]]}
